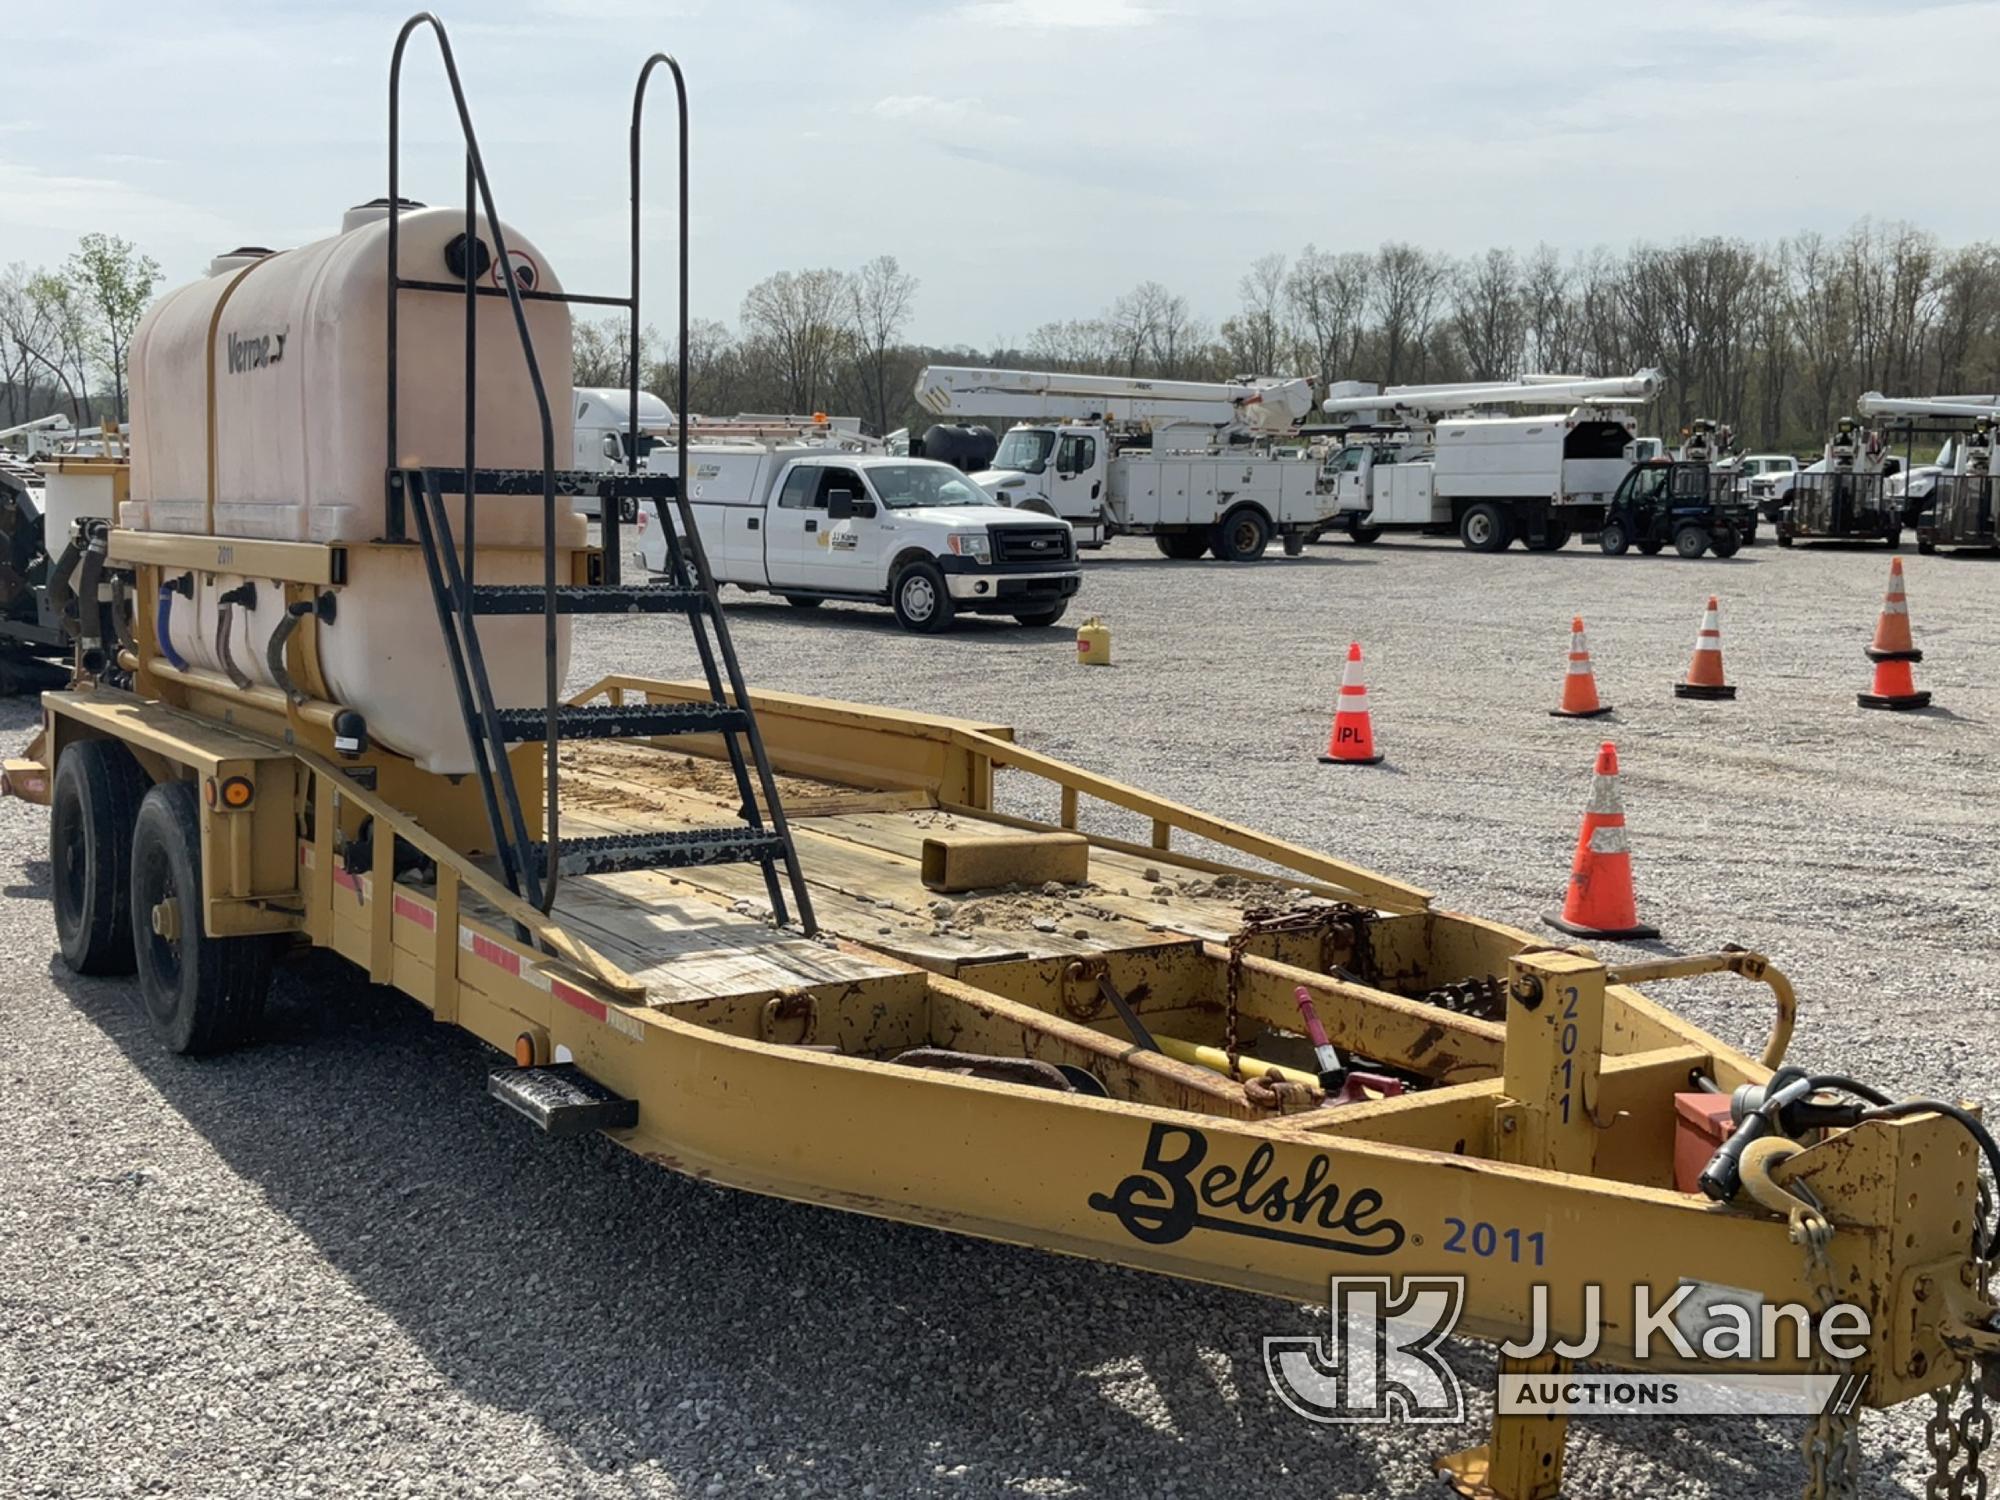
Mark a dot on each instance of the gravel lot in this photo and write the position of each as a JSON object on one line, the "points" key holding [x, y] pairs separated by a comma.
{"points": [[329, 1266]]}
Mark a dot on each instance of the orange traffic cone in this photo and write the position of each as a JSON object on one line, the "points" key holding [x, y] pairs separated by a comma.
{"points": [[1352, 742], [1892, 627], [1704, 678], [1892, 651], [1580, 699], [1600, 903]]}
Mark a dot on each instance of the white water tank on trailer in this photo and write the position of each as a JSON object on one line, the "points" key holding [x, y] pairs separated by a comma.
{"points": [[294, 348]]}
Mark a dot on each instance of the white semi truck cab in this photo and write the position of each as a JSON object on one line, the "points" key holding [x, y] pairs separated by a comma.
{"points": [[813, 522], [1188, 463]]}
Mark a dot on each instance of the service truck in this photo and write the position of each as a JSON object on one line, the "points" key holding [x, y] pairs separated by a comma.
{"points": [[1192, 464], [819, 518], [1432, 459]]}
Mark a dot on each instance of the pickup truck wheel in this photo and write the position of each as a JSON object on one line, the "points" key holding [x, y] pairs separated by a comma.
{"points": [[1039, 619], [922, 602], [201, 993], [1613, 539], [1691, 541], [803, 601], [1485, 529], [1182, 546], [1241, 536], [92, 811]]}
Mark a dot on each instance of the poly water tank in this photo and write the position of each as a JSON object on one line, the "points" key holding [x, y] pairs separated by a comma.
{"points": [[286, 357]]}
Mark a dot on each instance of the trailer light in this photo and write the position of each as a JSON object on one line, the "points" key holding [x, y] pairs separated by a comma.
{"points": [[524, 1051], [237, 792]]}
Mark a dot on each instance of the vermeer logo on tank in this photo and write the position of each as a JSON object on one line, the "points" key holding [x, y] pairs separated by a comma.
{"points": [[256, 351]]}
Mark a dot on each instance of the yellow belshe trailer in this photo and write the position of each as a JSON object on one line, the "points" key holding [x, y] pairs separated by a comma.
{"points": [[1110, 1067]]}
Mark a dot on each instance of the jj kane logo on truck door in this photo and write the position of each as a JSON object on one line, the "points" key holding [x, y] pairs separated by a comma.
{"points": [[256, 351]]}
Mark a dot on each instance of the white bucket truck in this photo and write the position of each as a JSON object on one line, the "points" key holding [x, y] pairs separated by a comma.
{"points": [[820, 517], [1431, 459], [1188, 463]]}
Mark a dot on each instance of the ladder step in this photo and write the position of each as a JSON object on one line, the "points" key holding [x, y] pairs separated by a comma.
{"points": [[562, 1100], [606, 721], [587, 599], [685, 849]]}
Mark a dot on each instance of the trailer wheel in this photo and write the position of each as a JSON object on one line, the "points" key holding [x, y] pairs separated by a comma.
{"points": [[1486, 529], [1241, 536], [1613, 539], [1691, 541], [92, 811], [923, 604], [1182, 546], [201, 993]]}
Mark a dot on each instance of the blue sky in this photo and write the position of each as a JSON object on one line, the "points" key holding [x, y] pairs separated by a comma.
{"points": [[1026, 159]]}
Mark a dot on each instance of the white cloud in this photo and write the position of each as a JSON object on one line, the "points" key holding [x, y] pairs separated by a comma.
{"points": [[1059, 15], [927, 109]]}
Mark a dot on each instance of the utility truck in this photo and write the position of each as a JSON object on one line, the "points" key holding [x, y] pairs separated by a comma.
{"points": [[1957, 508], [1433, 459], [1189, 463], [813, 517]]}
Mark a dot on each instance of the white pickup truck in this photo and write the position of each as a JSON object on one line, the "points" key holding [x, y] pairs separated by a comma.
{"points": [[912, 533]]}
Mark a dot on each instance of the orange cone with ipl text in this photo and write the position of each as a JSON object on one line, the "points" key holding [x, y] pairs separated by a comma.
{"points": [[1601, 902], [1352, 742], [1704, 675], [1579, 697]]}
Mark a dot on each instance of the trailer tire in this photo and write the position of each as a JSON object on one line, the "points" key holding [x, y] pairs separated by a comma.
{"points": [[201, 993], [1182, 546], [1691, 541], [92, 811], [922, 602], [1613, 540], [1486, 528], [1241, 536]]}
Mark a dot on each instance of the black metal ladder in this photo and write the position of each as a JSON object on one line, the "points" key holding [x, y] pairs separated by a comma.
{"points": [[418, 493]]}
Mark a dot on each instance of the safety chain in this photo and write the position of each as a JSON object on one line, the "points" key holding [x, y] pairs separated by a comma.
{"points": [[1968, 1438], [1259, 921], [1833, 1438]]}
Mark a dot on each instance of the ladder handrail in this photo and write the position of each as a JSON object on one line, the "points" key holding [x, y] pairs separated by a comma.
{"points": [[542, 889], [697, 552]]}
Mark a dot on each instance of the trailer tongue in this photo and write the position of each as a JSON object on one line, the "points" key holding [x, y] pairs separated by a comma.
{"points": [[694, 918]]}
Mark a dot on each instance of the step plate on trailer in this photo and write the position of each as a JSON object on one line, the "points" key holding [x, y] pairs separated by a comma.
{"points": [[562, 1100]]}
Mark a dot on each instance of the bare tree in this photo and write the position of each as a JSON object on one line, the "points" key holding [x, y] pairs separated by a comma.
{"points": [[1489, 317], [1256, 339], [879, 298], [797, 324], [1409, 285], [1327, 295], [41, 325]]}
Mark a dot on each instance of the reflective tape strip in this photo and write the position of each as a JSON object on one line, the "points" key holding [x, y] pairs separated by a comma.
{"points": [[1356, 703], [1350, 680], [423, 916], [1579, 666], [572, 996], [1609, 838], [1895, 604], [1604, 797]]}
